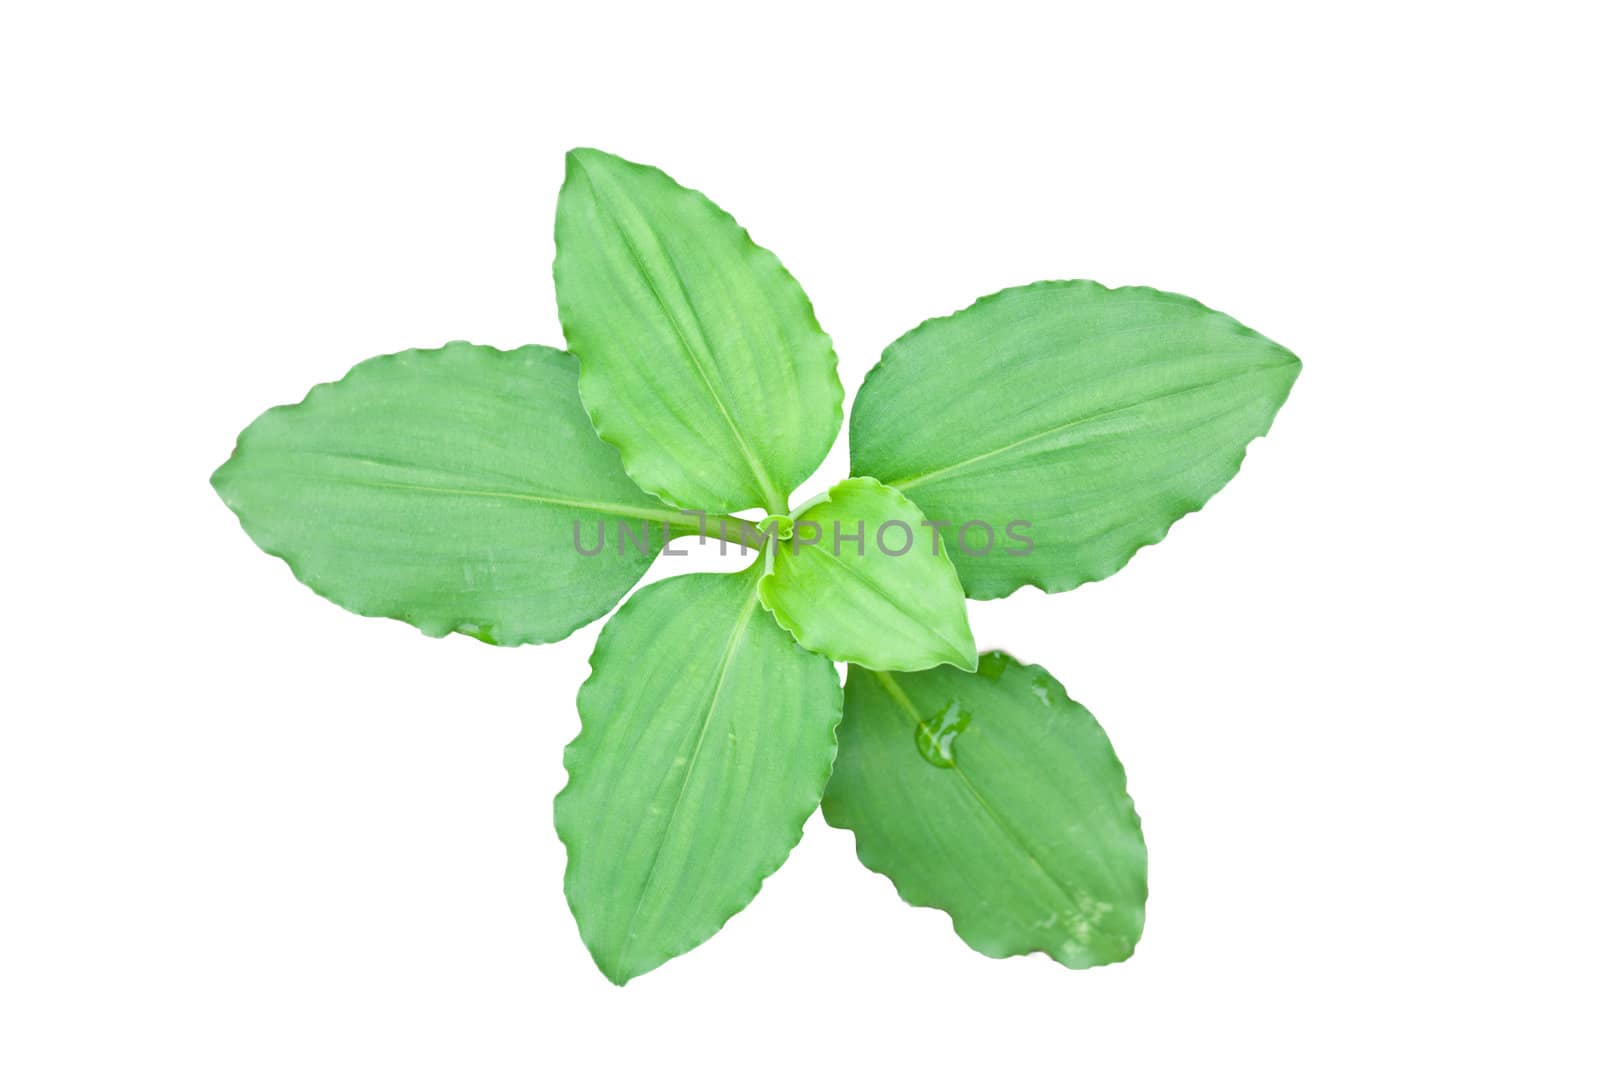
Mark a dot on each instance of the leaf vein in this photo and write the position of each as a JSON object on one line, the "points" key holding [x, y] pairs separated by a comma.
{"points": [[773, 499], [740, 628], [903, 701], [940, 472]]}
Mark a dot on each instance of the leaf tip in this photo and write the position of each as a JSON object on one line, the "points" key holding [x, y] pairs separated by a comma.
{"points": [[616, 975], [219, 478], [582, 157], [579, 161], [1291, 363]]}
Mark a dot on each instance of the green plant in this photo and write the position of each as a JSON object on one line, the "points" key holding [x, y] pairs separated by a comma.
{"points": [[455, 489]]}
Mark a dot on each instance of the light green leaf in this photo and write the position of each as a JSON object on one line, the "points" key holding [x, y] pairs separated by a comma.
{"points": [[1096, 416], [701, 358], [996, 798], [864, 578], [441, 487], [707, 739]]}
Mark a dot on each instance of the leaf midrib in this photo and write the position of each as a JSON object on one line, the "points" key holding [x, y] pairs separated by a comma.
{"points": [[940, 472], [672, 518], [899, 697], [883, 594], [774, 501], [740, 628]]}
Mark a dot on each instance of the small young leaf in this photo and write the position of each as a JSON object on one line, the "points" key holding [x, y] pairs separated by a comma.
{"points": [[1080, 420], [707, 738], [864, 578], [701, 358], [996, 798], [441, 487]]}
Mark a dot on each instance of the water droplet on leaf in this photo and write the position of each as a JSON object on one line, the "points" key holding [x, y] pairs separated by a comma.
{"points": [[991, 664], [936, 736]]}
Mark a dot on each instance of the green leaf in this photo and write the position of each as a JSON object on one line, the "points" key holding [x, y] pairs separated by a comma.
{"points": [[864, 578], [996, 798], [1099, 416], [707, 739], [701, 358], [441, 487]]}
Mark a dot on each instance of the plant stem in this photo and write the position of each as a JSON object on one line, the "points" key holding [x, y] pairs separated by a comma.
{"points": [[729, 528]]}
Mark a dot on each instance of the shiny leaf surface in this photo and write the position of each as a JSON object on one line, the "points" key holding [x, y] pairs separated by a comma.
{"points": [[1096, 417], [707, 738], [864, 579], [996, 798], [701, 358]]}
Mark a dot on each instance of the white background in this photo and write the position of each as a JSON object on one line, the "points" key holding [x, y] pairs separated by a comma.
{"points": [[1355, 695]]}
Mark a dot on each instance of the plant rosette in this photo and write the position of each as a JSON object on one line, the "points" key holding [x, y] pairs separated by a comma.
{"points": [[1039, 437]]}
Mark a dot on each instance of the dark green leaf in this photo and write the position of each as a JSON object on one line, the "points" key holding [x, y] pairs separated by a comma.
{"points": [[996, 798]]}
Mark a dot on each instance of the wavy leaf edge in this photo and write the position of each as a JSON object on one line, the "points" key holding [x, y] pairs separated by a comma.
{"points": [[795, 629], [760, 254], [869, 859], [475, 628], [595, 658], [1039, 581]]}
